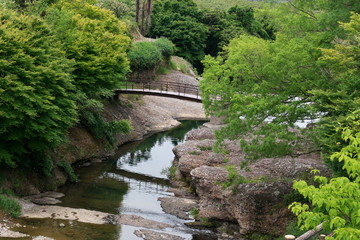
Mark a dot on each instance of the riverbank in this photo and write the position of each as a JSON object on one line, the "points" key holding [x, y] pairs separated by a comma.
{"points": [[255, 198]]}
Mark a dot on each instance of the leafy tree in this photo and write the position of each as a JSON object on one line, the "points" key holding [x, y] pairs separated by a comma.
{"points": [[261, 88], [264, 87], [37, 94], [335, 202], [122, 9], [96, 40], [179, 21]]}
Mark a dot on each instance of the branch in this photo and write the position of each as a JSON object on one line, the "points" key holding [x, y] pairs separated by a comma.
{"points": [[310, 233], [309, 14]]}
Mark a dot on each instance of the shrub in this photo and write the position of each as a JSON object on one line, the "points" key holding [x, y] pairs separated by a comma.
{"points": [[144, 56], [166, 47]]}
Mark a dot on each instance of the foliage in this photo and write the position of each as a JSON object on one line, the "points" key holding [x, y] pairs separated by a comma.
{"points": [[37, 97], [144, 55], [335, 202], [147, 55], [264, 87], [224, 26], [122, 9], [69, 171], [90, 117], [234, 179], [226, 4], [194, 213], [95, 39], [48, 66], [10, 206], [179, 21], [166, 47]]}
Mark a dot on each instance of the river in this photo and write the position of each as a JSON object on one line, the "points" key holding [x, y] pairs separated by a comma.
{"points": [[128, 183]]}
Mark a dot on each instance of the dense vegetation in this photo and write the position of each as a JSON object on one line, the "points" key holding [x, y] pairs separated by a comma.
{"points": [[147, 55], [266, 70], [57, 63], [310, 72], [196, 32]]}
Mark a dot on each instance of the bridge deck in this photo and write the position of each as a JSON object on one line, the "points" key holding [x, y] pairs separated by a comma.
{"points": [[183, 91], [154, 92]]}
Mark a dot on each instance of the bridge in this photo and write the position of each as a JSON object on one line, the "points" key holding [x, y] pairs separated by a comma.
{"points": [[182, 91]]}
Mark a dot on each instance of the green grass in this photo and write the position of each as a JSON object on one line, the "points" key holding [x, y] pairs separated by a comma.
{"points": [[226, 4], [204, 148], [194, 153], [9, 206]]}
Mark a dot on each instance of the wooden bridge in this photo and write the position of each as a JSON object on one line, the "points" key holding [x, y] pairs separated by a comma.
{"points": [[183, 91]]}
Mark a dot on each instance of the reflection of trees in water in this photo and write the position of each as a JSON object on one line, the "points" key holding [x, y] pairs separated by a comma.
{"points": [[142, 152]]}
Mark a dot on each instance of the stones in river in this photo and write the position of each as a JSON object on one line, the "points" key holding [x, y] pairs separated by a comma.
{"points": [[153, 235], [46, 198], [45, 201], [179, 207]]}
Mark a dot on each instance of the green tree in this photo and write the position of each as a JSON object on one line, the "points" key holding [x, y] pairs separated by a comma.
{"points": [[179, 21], [96, 40], [261, 88], [264, 87], [335, 202], [37, 94]]}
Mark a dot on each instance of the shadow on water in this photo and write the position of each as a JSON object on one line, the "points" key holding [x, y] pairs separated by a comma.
{"points": [[129, 183]]}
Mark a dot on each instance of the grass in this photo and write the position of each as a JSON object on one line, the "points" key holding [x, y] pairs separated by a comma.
{"points": [[205, 148], [10, 206], [194, 153]]}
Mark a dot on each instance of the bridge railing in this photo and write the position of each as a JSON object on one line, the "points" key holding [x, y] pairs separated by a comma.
{"points": [[182, 89]]}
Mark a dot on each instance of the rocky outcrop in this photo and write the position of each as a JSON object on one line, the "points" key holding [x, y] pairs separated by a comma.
{"points": [[256, 199]]}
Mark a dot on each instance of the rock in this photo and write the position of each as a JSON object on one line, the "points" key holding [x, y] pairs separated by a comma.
{"points": [[137, 221], [42, 238], [45, 201], [179, 207], [62, 225], [52, 194], [257, 202], [152, 235], [6, 233]]}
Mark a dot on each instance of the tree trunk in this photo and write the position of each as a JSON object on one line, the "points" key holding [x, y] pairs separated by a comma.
{"points": [[137, 5], [148, 13]]}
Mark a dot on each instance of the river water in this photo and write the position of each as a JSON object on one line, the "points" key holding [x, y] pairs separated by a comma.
{"points": [[129, 183]]}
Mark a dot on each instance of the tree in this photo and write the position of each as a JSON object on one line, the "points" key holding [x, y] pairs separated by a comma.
{"points": [[264, 88], [179, 21], [335, 202], [37, 94], [97, 42]]}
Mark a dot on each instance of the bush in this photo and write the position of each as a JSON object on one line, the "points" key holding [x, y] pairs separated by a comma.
{"points": [[144, 56], [69, 171], [166, 47], [10, 206]]}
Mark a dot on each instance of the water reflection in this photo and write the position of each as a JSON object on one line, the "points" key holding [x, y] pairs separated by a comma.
{"points": [[154, 154], [130, 183]]}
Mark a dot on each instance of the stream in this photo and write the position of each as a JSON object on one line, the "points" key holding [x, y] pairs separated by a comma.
{"points": [[128, 183]]}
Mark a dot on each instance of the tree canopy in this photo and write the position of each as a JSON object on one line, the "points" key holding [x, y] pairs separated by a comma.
{"points": [[180, 22], [37, 91], [264, 89], [53, 70]]}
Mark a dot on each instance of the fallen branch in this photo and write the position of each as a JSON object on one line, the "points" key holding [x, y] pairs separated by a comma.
{"points": [[310, 233]]}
